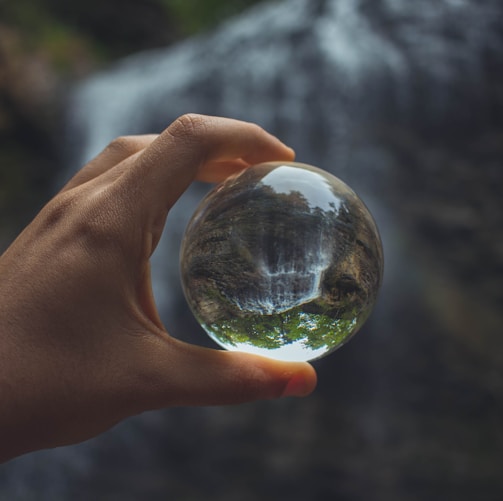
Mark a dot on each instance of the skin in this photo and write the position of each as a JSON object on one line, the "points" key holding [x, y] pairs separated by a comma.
{"points": [[81, 343]]}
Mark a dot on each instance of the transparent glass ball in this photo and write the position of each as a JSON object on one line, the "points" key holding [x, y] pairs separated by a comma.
{"points": [[283, 260]]}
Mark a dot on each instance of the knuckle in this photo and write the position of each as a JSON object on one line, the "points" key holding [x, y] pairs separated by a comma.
{"points": [[123, 145], [58, 210], [82, 220], [188, 127]]}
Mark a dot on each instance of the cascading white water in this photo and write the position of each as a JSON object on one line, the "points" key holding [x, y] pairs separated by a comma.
{"points": [[289, 281]]}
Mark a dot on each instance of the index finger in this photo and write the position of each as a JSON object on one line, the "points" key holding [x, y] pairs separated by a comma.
{"points": [[202, 147]]}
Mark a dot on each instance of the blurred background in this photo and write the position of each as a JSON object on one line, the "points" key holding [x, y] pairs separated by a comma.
{"points": [[404, 101], [46, 47]]}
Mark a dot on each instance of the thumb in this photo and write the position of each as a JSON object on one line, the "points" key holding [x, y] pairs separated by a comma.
{"points": [[193, 375]]}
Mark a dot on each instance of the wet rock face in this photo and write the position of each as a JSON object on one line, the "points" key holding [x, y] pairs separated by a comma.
{"points": [[402, 100]]}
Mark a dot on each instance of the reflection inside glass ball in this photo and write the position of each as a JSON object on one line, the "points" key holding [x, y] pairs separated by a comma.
{"points": [[283, 260]]}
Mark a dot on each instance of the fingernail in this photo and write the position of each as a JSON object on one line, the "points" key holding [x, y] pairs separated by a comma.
{"points": [[296, 387]]}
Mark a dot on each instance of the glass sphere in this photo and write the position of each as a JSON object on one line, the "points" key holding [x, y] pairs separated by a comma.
{"points": [[282, 260]]}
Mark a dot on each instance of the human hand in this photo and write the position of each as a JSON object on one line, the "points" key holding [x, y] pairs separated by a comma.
{"points": [[81, 343]]}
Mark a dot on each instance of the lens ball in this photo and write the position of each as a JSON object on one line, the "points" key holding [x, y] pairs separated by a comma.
{"points": [[282, 260]]}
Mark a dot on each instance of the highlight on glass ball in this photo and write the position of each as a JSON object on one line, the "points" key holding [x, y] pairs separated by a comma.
{"points": [[282, 260]]}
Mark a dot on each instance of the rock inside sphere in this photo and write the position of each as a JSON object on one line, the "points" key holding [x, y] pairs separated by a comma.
{"points": [[283, 260]]}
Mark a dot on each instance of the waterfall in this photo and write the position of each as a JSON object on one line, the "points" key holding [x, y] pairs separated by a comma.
{"points": [[287, 66], [328, 77]]}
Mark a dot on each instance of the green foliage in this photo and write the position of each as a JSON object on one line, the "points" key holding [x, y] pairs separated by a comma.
{"points": [[111, 29], [197, 15], [40, 32], [312, 330]]}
